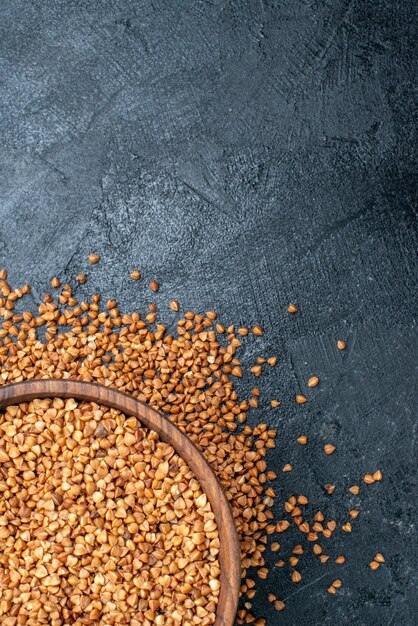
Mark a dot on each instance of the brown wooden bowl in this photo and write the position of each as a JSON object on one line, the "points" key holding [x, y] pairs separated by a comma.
{"points": [[229, 555]]}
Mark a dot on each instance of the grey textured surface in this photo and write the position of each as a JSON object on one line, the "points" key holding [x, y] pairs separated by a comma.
{"points": [[245, 154]]}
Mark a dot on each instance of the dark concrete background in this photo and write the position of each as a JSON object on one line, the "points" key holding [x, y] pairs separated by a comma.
{"points": [[245, 154]]}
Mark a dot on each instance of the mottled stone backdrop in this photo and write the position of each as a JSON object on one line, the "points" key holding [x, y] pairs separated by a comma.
{"points": [[245, 154]]}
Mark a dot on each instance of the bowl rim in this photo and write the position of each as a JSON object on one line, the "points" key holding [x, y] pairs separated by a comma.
{"points": [[229, 551]]}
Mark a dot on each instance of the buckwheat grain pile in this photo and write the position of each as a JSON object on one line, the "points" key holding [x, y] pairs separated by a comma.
{"points": [[100, 522], [188, 375]]}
